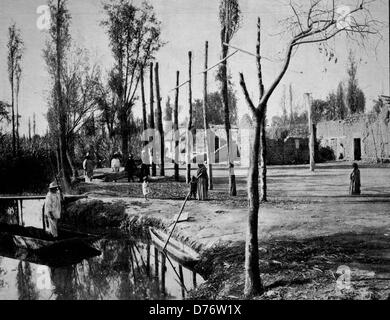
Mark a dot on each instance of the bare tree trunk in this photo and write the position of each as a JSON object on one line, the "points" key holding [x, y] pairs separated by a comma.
{"points": [[311, 131], [151, 125], [13, 116], [205, 122], [225, 101], [72, 167], [29, 129], [263, 161], [263, 137], [17, 119], [161, 142], [61, 109], [124, 132], [253, 285], [144, 117], [189, 126], [176, 128]]}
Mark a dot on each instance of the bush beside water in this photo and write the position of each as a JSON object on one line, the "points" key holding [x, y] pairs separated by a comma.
{"points": [[29, 172]]}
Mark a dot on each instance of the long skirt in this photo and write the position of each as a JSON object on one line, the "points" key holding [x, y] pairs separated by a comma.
{"points": [[202, 188], [354, 187]]}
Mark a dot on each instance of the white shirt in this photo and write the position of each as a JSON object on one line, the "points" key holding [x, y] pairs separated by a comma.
{"points": [[115, 163]]}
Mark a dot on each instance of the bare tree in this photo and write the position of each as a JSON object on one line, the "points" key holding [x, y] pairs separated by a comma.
{"points": [[189, 121], [319, 23], [205, 120], [160, 129], [176, 127], [15, 51], [151, 119], [229, 16], [18, 77]]}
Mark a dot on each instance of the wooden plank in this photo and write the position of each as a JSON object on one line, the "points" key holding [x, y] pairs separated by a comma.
{"points": [[163, 269], [183, 293]]}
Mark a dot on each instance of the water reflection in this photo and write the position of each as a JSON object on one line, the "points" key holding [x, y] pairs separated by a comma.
{"points": [[126, 269], [120, 272]]}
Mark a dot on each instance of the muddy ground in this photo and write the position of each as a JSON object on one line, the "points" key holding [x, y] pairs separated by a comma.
{"points": [[310, 231]]}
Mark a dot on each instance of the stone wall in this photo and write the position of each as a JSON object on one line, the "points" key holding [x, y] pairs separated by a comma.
{"points": [[370, 131], [292, 150]]}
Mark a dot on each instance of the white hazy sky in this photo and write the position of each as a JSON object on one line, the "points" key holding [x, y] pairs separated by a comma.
{"points": [[186, 25]]}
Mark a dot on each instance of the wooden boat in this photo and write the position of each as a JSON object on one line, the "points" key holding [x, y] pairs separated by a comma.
{"points": [[31, 238], [67, 198], [179, 251], [54, 260]]}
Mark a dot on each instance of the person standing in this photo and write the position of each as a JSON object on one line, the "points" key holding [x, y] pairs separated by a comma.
{"points": [[88, 166], [146, 188], [193, 187], [202, 177], [52, 209], [115, 163], [145, 164], [130, 168], [354, 186]]}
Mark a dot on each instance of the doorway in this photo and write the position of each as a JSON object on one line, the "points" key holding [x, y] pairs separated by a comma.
{"points": [[357, 150]]}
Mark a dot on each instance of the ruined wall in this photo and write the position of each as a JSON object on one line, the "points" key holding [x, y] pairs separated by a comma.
{"points": [[372, 130]]}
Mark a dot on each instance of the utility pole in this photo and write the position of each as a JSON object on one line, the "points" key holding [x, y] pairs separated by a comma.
{"points": [[205, 122]]}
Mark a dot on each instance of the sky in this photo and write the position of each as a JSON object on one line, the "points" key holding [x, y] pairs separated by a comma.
{"points": [[186, 25]]}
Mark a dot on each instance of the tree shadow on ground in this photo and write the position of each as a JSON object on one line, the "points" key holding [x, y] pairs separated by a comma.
{"points": [[293, 263]]}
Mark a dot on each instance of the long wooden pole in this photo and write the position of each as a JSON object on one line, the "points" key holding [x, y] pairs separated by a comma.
{"points": [[189, 127], [207, 132], [160, 143], [177, 219], [311, 131], [176, 127], [151, 125]]}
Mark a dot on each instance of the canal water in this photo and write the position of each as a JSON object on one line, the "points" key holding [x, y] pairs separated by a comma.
{"points": [[120, 269]]}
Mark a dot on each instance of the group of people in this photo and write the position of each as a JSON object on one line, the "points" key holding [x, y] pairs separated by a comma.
{"points": [[198, 190]]}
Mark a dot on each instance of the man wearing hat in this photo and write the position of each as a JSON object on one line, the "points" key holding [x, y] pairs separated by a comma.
{"points": [[52, 210]]}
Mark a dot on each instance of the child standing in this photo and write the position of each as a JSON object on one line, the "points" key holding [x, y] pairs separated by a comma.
{"points": [[193, 187], [145, 188]]}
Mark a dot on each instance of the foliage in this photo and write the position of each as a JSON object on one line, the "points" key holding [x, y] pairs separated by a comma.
{"points": [[134, 36], [378, 106], [229, 18], [355, 97], [79, 88], [326, 154], [4, 113], [31, 171], [168, 110], [215, 111], [15, 51], [61, 37]]}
